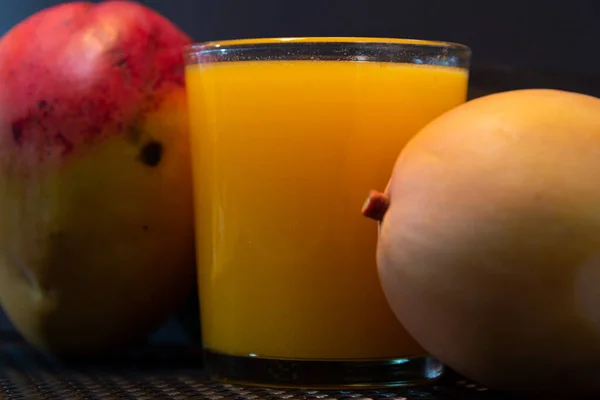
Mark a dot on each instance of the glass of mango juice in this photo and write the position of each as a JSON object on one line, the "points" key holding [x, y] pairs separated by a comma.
{"points": [[288, 136]]}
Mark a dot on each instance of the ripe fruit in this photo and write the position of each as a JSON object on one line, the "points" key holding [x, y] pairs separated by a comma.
{"points": [[489, 252], [96, 230]]}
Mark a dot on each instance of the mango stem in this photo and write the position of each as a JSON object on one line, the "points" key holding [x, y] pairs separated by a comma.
{"points": [[376, 205]]}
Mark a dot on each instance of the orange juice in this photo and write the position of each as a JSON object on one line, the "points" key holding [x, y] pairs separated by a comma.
{"points": [[285, 153]]}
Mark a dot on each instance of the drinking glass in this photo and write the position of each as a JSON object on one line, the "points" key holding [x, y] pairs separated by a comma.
{"points": [[288, 136]]}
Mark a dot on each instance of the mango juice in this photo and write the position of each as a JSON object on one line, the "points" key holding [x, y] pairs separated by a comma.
{"points": [[284, 155]]}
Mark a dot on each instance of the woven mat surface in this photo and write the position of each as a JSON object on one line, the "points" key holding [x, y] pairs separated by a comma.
{"points": [[176, 373]]}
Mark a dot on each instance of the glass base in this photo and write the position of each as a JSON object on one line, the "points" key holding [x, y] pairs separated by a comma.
{"points": [[322, 374]]}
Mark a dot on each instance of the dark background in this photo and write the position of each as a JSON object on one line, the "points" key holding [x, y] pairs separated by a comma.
{"points": [[549, 34], [516, 44]]}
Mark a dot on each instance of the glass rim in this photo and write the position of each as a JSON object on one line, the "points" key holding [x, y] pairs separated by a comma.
{"points": [[199, 47]]}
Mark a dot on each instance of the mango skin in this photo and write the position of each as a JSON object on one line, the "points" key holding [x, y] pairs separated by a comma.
{"points": [[96, 212], [489, 253]]}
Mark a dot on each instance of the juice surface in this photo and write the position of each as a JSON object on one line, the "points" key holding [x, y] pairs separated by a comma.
{"points": [[284, 154]]}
